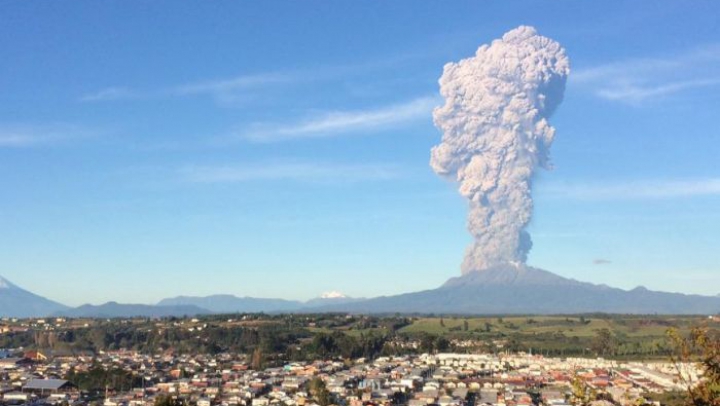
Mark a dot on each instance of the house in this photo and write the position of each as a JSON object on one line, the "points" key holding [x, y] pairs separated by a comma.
{"points": [[35, 356], [262, 401], [13, 397], [48, 386], [460, 393], [14, 363], [488, 396], [448, 401]]}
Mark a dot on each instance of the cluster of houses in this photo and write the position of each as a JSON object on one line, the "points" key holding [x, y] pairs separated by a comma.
{"points": [[437, 379]]}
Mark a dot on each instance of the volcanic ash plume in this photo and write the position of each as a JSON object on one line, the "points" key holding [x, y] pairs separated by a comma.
{"points": [[495, 134]]}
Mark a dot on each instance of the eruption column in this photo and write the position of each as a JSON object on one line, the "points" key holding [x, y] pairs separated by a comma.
{"points": [[495, 135]]}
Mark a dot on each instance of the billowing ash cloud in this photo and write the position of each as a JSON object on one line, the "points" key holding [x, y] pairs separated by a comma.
{"points": [[496, 134]]}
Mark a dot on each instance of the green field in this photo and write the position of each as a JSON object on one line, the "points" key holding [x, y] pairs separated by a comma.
{"points": [[634, 326], [621, 336]]}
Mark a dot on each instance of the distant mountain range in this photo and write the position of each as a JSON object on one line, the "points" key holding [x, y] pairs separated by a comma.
{"points": [[501, 290], [117, 310], [234, 304]]}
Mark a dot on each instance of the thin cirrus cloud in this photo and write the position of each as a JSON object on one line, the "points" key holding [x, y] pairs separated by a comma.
{"points": [[649, 189], [230, 85], [221, 88], [639, 93], [334, 123], [111, 93], [228, 88], [30, 136], [635, 81], [312, 172]]}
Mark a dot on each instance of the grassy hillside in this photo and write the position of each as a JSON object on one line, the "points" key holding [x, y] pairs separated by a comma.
{"points": [[618, 336], [634, 326]]}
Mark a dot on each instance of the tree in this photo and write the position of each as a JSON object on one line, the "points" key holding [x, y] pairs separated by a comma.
{"points": [[257, 359], [442, 344], [580, 394], [324, 345], [604, 342], [701, 347], [427, 343], [97, 378], [513, 344], [319, 392]]}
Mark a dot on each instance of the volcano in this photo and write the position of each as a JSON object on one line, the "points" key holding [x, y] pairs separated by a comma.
{"points": [[18, 302], [521, 289]]}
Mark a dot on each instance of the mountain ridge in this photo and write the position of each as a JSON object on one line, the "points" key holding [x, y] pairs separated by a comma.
{"points": [[119, 310], [18, 302], [226, 303], [509, 289]]}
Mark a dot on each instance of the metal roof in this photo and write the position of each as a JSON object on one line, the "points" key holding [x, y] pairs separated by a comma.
{"points": [[45, 384]]}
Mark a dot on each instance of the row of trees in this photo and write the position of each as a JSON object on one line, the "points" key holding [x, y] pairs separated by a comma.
{"points": [[213, 339], [295, 342], [97, 379]]}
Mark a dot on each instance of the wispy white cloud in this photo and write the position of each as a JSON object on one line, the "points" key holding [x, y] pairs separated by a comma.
{"points": [[635, 81], [289, 171], [228, 88], [622, 69], [648, 189], [333, 123], [111, 93], [220, 88], [26, 136], [214, 87], [636, 94]]}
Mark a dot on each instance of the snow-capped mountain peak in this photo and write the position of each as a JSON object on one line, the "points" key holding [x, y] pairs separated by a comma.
{"points": [[332, 295], [5, 284]]}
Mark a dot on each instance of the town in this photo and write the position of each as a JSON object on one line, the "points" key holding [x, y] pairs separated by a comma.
{"points": [[458, 374], [439, 379]]}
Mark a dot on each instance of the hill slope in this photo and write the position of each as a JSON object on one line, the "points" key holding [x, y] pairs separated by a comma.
{"points": [[526, 290], [18, 302]]}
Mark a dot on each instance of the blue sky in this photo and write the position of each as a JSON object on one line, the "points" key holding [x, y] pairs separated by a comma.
{"points": [[280, 149]]}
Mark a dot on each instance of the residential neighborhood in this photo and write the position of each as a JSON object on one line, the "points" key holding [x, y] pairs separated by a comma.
{"points": [[444, 379]]}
